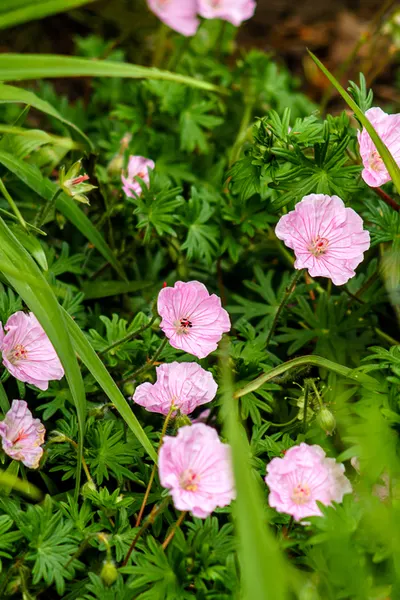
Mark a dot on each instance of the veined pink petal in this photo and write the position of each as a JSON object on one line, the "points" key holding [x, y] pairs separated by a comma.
{"points": [[328, 238], [235, 11], [179, 15], [192, 319], [22, 435], [184, 385], [27, 351], [196, 467], [301, 478], [138, 166]]}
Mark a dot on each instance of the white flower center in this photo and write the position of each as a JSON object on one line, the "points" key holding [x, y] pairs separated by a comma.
{"points": [[318, 246], [301, 493], [183, 326], [189, 481], [18, 353]]}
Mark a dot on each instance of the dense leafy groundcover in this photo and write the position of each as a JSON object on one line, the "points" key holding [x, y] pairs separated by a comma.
{"points": [[224, 147]]}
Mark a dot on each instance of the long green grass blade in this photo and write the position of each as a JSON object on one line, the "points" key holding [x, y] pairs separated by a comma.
{"points": [[42, 302], [265, 574], [384, 152], [10, 94], [105, 289], [14, 67], [89, 357], [14, 14], [9, 481], [33, 178]]}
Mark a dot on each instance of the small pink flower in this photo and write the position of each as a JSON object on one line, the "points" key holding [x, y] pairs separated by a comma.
{"points": [[27, 351], [327, 238], [303, 476], [22, 435], [196, 467], [192, 320], [184, 385], [138, 166], [179, 15], [234, 11], [387, 127]]}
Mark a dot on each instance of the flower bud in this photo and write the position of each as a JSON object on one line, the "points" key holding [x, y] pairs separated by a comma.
{"points": [[109, 572], [182, 420], [89, 486], [326, 420]]}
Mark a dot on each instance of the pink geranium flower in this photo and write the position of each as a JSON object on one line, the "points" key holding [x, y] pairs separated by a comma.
{"points": [[179, 15], [235, 11], [138, 166], [192, 320], [22, 435], [196, 467], [388, 129], [183, 385], [27, 351], [303, 476], [328, 239]]}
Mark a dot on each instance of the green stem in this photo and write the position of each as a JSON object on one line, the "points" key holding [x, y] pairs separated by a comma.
{"points": [[153, 472], [159, 49], [316, 392], [317, 361], [242, 133], [386, 337], [4, 402], [149, 364], [288, 292], [14, 218], [305, 406], [173, 530], [84, 464], [46, 208], [176, 58], [284, 424], [13, 206], [150, 519], [128, 337]]}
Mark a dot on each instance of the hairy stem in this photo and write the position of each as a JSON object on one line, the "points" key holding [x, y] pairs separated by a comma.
{"points": [[128, 337], [288, 292], [317, 361], [149, 364], [156, 510], [153, 471], [173, 530]]}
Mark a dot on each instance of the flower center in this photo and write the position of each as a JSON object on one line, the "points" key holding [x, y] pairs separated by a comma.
{"points": [[318, 246], [189, 481], [183, 326], [17, 354], [301, 493], [375, 161]]}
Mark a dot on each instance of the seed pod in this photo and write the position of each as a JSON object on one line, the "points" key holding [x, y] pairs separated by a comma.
{"points": [[109, 572], [326, 420]]}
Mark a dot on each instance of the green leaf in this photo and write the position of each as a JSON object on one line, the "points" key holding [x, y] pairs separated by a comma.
{"points": [[38, 66], [384, 152], [14, 12], [32, 177], [106, 382], [13, 95], [105, 289], [43, 303], [32, 245], [263, 567]]}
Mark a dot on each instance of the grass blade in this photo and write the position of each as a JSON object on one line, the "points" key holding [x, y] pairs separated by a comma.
{"points": [[42, 302], [263, 567], [89, 357], [105, 289], [32, 177], [10, 94], [14, 67], [390, 163], [31, 10]]}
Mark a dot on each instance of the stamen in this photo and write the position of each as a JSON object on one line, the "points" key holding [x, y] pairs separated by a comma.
{"points": [[189, 481], [183, 326], [301, 493], [18, 353], [318, 246]]}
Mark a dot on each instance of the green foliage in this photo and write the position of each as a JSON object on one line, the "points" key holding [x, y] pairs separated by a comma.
{"points": [[236, 145]]}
